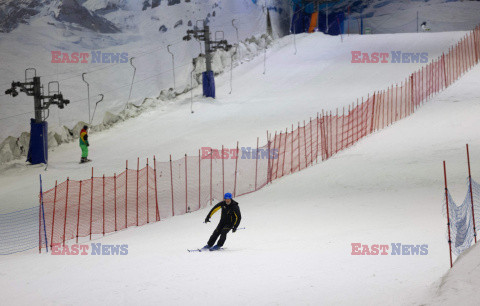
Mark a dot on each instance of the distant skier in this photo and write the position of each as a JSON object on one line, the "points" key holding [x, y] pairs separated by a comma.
{"points": [[229, 220], [424, 26], [84, 144]]}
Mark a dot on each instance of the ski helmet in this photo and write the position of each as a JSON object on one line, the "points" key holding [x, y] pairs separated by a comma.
{"points": [[228, 195]]}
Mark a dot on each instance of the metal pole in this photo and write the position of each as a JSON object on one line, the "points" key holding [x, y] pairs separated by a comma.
{"points": [[78, 212], [238, 39], [88, 94], [148, 213], [208, 55], [471, 195], [43, 214], [173, 66], [291, 159], [133, 78], [231, 69], [53, 217], [91, 204], [279, 150], [171, 184], [66, 210], [448, 215], [157, 212]]}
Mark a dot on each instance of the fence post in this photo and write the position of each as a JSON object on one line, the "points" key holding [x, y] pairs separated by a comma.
{"points": [[291, 159], [78, 213], [199, 179], [311, 143], [448, 214], [331, 133], [305, 143], [91, 204], [357, 112], [444, 71], [171, 183], [343, 124], [412, 100], [471, 195], [273, 159], [186, 184], [148, 213], [324, 138], [396, 102], [66, 210], [157, 212], [103, 196], [42, 218], [126, 194], [115, 197], [348, 126], [53, 217], [298, 132], [268, 165], [235, 181], [256, 165], [316, 147], [138, 171], [475, 40], [278, 153]]}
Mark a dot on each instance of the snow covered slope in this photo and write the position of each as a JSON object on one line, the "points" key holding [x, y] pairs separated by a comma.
{"points": [[295, 87], [296, 248], [460, 284]]}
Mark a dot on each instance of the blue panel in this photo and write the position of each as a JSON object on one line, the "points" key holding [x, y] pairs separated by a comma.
{"points": [[208, 84], [38, 149]]}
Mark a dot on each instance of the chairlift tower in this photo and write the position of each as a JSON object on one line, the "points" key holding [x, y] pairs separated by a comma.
{"points": [[219, 43], [38, 148]]}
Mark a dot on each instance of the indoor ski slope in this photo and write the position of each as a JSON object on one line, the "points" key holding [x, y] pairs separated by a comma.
{"points": [[294, 88], [296, 248], [296, 245]]}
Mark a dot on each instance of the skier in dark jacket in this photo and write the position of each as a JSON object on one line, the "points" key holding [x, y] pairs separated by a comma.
{"points": [[229, 220]]}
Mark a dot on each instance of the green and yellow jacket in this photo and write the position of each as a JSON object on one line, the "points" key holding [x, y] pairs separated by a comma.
{"points": [[84, 138]]}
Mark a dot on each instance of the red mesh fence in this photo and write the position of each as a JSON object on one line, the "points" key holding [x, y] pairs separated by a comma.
{"points": [[102, 205]]}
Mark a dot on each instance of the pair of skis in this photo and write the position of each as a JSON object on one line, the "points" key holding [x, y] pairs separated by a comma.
{"points": [[205, 250], [210, 249]]}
